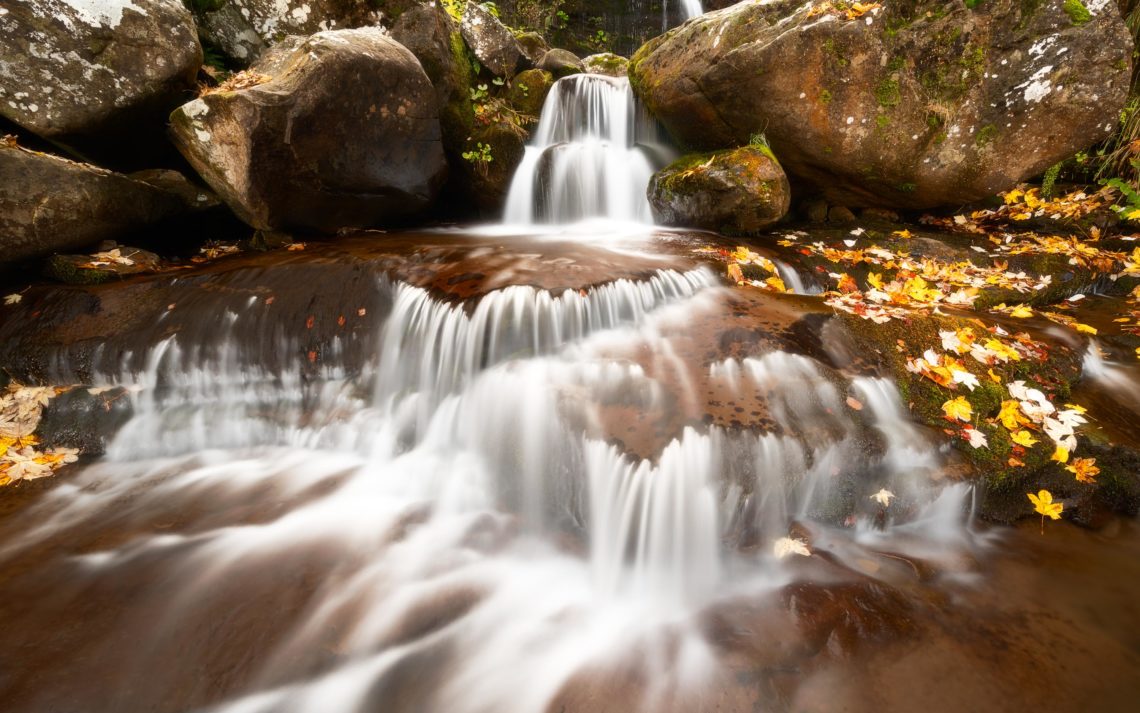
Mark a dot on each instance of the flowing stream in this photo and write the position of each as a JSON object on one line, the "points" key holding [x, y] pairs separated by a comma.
{"points": [[516, 501]]}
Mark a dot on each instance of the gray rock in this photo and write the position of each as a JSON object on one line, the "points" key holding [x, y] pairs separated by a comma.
{"points": [[561, 63], [735, 192], [233, 34], [912, 105], [96, 75], [49, 204], [494, 45], [301, 152], [533, 46]]}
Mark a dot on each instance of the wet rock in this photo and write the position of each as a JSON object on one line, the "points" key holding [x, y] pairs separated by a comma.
{"points": [[49, 204], [98, 77], [105, 266], [493, 44], [734, 192], [606, 63], [434, 38], [533, 46], [879, 215], [528, 91], [300, 152], [561, 63], [912, 105]]}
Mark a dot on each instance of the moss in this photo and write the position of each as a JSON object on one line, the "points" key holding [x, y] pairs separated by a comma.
{"points": [[888, 93], [986, 135], [825, 97], [1077, 12]]}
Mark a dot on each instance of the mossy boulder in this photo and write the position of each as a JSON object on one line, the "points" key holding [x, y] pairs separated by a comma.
{"points": [[736, 192], [528, 91], [533, 46], [299, 152], [606, 63], [433, 37], [494, 152], [88, 270], [492, 43], [910, 105]]}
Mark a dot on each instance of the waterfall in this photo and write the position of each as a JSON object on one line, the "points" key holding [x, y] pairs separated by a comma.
{"points": [[591, 156]]}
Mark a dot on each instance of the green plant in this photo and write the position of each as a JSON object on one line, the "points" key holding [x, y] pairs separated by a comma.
{"points": [[758, 140], [1130, 209], [478, 92], [1049, 180]]}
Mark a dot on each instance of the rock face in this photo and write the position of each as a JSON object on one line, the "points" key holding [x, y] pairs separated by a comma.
{"points": [[302, 152], [271, 20], [49, 204], [493, 44], [587, 26], [433, 37], [227, 30], [73, 72], [912, 105], [736, 192]]}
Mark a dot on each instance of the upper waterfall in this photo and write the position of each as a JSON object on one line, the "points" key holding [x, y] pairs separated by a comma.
{"points": [[591, 156]]}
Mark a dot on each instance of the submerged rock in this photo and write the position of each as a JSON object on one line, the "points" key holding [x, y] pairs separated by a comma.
{"points": [[909, 105], [300, 152], [104, 266], [49, 204], [434, 38], [493, 44], [733, 192], [99, 77]]}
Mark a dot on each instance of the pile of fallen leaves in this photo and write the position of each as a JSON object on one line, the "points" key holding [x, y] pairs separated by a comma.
{"points": [[844, 10], [20, 456], [236, 82], [1022, 205]]}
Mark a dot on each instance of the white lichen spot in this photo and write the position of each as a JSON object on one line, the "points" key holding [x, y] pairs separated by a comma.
{"points": [[1039, 86], [202, 135], [850, 120], [100, 13]]}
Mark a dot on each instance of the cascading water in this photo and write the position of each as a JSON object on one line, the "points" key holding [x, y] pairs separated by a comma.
{"points": [[591, 156]]}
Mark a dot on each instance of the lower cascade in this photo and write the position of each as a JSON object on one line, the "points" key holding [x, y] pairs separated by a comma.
{"points": [[591, 156]]}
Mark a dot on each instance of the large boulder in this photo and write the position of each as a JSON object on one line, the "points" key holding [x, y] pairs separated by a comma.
{"points": [[561, 63], [909, 105], [494, 45], [49, 204], [433, 37], [735, 192], [273, 20], [97, 76], [226, 30], [528, 91], [343, 132]]}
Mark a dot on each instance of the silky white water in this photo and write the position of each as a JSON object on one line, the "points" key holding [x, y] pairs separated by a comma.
{"points": [[591, 156]]}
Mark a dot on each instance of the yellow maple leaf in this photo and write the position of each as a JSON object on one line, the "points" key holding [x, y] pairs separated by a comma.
{"points": [[1011, 416], [1044, 505], [776, 284], [958, 409], [1021, 312], [1084, 328], [1061, 455], [904, 234], [875, 280], [993, 377], [1013, 196], [1085, 469], [735, 273], [1023, 438]]}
